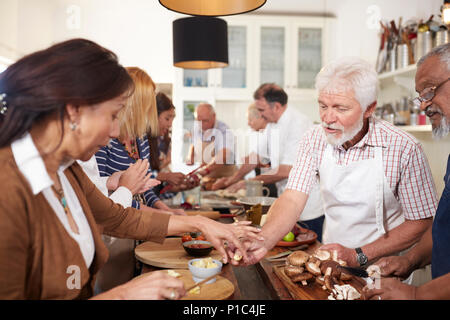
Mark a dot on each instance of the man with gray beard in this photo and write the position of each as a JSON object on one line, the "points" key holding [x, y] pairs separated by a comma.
{"points": [[377, 189], [433, 87]]}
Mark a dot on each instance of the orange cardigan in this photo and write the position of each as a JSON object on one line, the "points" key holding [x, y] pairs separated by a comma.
{"points": [[38, 258]]}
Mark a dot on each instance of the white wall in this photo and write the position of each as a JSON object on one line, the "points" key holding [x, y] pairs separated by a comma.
{"points": [[140, 32]]}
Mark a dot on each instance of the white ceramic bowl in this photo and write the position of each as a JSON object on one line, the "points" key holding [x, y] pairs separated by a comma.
{"points": [[200, 274]]}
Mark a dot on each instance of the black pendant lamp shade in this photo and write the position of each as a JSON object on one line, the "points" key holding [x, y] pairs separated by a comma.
{"points": [[212, 7], [200, 43]]}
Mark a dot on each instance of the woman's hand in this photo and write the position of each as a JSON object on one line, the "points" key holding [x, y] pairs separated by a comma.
{"points": [[221, 234], [155, 285], [136, 178], [113, 181]]}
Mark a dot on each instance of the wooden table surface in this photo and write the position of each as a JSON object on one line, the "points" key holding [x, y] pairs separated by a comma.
{"points": [[258, 282], [275, 286]]}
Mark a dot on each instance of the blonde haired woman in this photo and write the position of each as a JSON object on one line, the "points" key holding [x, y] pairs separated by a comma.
{"points": [[135, 120]]}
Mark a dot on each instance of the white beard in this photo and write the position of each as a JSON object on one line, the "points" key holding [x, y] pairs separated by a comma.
{"points": [[346, 135], [442, 130]]}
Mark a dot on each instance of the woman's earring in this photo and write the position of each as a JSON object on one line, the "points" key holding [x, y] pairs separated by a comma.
{"points": [[73, 126]]}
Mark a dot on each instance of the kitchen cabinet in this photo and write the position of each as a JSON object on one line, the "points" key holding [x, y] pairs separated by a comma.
{"points": [[287, 50]]}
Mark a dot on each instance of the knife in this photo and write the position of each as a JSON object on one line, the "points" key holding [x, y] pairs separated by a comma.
{"points": [[359, 272]]}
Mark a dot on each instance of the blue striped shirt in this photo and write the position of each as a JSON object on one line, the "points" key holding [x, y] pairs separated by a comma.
{"points": [[114, 157]]}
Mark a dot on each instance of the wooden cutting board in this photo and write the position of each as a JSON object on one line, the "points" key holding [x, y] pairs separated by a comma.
{"points": [[221, 289], [170, 254], [209, 214], [312, 291]]}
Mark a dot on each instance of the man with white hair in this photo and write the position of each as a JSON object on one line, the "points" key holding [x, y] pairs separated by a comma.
{"points": [[433, 87], [377, 189], [213, 144]]}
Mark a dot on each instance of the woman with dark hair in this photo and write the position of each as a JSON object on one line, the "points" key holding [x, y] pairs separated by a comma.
{"points": [[60, 105], [160, 151]]}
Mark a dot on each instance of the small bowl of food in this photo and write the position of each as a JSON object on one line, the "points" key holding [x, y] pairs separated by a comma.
{"points": [[198, 248], [204, 268]]}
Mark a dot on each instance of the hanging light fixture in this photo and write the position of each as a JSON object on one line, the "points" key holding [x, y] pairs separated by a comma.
{"points": [[212, 7], [200, 43]]}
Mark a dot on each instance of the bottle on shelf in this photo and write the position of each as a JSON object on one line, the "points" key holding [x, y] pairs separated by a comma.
{"points": [[422, 118]]}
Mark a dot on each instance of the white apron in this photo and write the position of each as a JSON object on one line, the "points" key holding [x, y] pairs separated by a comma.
{"points": [[358, 202]]}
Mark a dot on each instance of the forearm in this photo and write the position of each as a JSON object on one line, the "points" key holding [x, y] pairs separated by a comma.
{"points": [[274, 175], [151, 210], [420, 255], [398, 239], [242, 171], [282, 216], [161, 205], [438, 288], [180, 224]]}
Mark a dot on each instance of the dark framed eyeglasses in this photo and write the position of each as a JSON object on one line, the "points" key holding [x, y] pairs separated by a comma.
{"points": [[427, 94]]}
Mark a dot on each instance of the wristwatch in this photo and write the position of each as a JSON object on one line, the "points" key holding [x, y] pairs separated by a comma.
{"points": [[361, 257]]}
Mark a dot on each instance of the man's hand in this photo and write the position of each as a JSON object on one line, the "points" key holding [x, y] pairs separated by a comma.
{"points": [[343, 253], [254, 252], [390, 289], [397, 266]]}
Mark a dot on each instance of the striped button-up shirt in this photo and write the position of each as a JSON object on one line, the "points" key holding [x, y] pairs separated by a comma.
{"points": [[114, 157], [405, 165]]}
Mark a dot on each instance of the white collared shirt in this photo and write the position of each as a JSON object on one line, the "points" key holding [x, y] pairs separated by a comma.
{"points": [[31, 165], [281, 140]]}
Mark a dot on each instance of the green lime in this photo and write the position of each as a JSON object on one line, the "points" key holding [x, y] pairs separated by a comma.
{"points": [[289, 237]]}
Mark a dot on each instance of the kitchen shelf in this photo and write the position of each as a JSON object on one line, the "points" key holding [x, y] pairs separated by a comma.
{"points": [[408, 71]]}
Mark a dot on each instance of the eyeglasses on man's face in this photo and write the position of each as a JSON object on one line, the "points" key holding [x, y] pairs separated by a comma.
{"points": [[427, 94]]}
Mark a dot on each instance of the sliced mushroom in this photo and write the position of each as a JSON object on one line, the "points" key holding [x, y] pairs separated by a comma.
{"points": [[327, 278], [336, 271], [303, 278], [313, 268], [320, 280], [374, 271], [334, 255], [292, 271], [297, 258], [322, 255]]}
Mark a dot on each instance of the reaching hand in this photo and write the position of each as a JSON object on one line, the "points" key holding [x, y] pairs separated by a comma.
{"points": [[174, 178], [254, 248], [220, 234]]}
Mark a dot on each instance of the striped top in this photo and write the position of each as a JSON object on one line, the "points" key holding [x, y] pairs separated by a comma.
{"points": [[405, 165], [114, 157]]}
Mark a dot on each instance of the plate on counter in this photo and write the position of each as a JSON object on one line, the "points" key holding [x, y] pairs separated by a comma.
{"points": [[221, 289], [302, 236], [169, 254]]}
